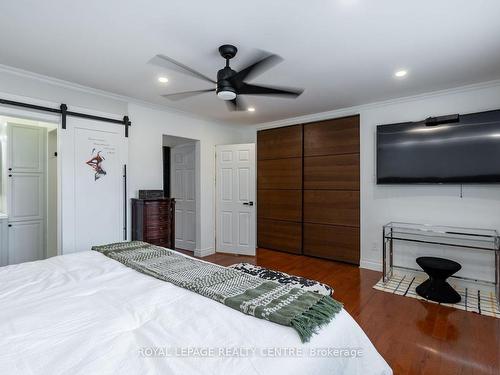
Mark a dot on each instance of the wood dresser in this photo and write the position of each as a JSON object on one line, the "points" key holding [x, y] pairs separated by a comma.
{"points": [[153, 221]]}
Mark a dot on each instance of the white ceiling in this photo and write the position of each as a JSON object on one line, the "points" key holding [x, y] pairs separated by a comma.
{"points": [[342, 52]]}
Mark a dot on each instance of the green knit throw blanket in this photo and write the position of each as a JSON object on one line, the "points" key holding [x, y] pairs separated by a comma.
{"points": [[279, 303]]}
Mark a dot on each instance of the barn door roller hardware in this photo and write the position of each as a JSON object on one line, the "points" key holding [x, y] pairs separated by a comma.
{"points": [[63, 111]]}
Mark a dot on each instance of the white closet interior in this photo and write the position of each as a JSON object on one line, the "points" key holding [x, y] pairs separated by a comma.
{"points": [[28, 226]]}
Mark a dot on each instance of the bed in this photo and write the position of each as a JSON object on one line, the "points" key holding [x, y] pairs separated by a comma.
{"points": [[84, 313]]}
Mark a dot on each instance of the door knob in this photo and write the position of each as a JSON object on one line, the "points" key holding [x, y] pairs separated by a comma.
{"points": [[248, 203]]}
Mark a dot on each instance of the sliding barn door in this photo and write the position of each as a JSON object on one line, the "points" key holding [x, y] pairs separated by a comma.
{"points": [[93, 158], [235, 202]]}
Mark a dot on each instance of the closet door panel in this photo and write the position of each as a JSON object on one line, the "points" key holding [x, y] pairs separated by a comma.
{"points": [[280, 143], [26, 196], [332, 242], [334, 172], [26, 241], [331, 189], [26, 148], [279, 189], [332, 137], [280, 205], [280, 235], [280, 174], [308, 179], [331, 207]]}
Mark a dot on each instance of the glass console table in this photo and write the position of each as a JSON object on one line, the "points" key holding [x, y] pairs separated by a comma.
{"points": [[466, 238]]}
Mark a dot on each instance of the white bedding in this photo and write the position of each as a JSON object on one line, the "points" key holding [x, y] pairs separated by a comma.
{"points": [[87, 314]]}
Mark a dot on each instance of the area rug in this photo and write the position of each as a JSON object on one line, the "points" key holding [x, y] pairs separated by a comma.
{"points": [[476, 298]]}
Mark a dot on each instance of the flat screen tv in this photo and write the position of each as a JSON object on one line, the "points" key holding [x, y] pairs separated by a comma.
{"points": [[452, 149]]}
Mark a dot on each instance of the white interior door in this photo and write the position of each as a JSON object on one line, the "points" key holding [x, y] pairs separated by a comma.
{"points": [[93, 154], [235, 199], [183, 173]]}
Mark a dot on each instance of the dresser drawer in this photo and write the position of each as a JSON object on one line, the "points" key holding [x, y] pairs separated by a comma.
{"points": [[157, 232], [156, 209], [155, 220]]}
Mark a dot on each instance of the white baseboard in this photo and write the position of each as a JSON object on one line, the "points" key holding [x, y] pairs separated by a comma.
{"points": [[371, 265], [204, 252]]}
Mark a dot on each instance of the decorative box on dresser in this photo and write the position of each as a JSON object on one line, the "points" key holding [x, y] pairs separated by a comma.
{"points": [[153, 221]]}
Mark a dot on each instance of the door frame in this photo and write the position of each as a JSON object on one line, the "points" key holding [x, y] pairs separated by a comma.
{"points": [[27, 114], [198, 251]]}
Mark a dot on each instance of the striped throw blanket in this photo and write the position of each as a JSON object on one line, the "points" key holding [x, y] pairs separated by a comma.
{"points": [[282, 304]]}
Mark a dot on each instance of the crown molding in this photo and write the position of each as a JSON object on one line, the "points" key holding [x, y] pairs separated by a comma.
{"points": [[348, 111], [354, 110], [105, 94]]}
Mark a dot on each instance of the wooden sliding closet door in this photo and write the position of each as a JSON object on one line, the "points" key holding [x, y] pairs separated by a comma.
{"points": [[331, 189], [279, 189]]}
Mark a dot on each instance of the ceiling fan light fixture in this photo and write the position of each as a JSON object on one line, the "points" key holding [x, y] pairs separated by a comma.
{"points": [[226, 94], [401, 73]]}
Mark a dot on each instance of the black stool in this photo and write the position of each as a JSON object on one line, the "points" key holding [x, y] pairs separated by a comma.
{"points": [[436, 288]]}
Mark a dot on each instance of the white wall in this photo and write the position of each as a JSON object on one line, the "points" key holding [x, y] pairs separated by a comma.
{"points": [[30, 85], [433, 204], [480, 206], [145, 141], [145, 159]]}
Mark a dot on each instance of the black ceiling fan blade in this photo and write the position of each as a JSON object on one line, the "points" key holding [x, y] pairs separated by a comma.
{"points": [[237, 104], [268, 90], [166, 62], [257, 67], [186, 94]]}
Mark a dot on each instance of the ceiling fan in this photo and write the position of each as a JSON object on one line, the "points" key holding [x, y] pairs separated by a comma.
{"points": [[230, 84]]}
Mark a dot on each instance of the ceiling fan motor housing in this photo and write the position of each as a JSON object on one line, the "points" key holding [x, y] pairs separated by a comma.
{"points": [[225, 89]]}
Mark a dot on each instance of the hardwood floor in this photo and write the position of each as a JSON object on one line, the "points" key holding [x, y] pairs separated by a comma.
{"points": [[414, 337]]}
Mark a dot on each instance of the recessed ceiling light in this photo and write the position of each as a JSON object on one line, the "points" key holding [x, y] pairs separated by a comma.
{"points": [[251, 109], [401, 73], [162, 79]]}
